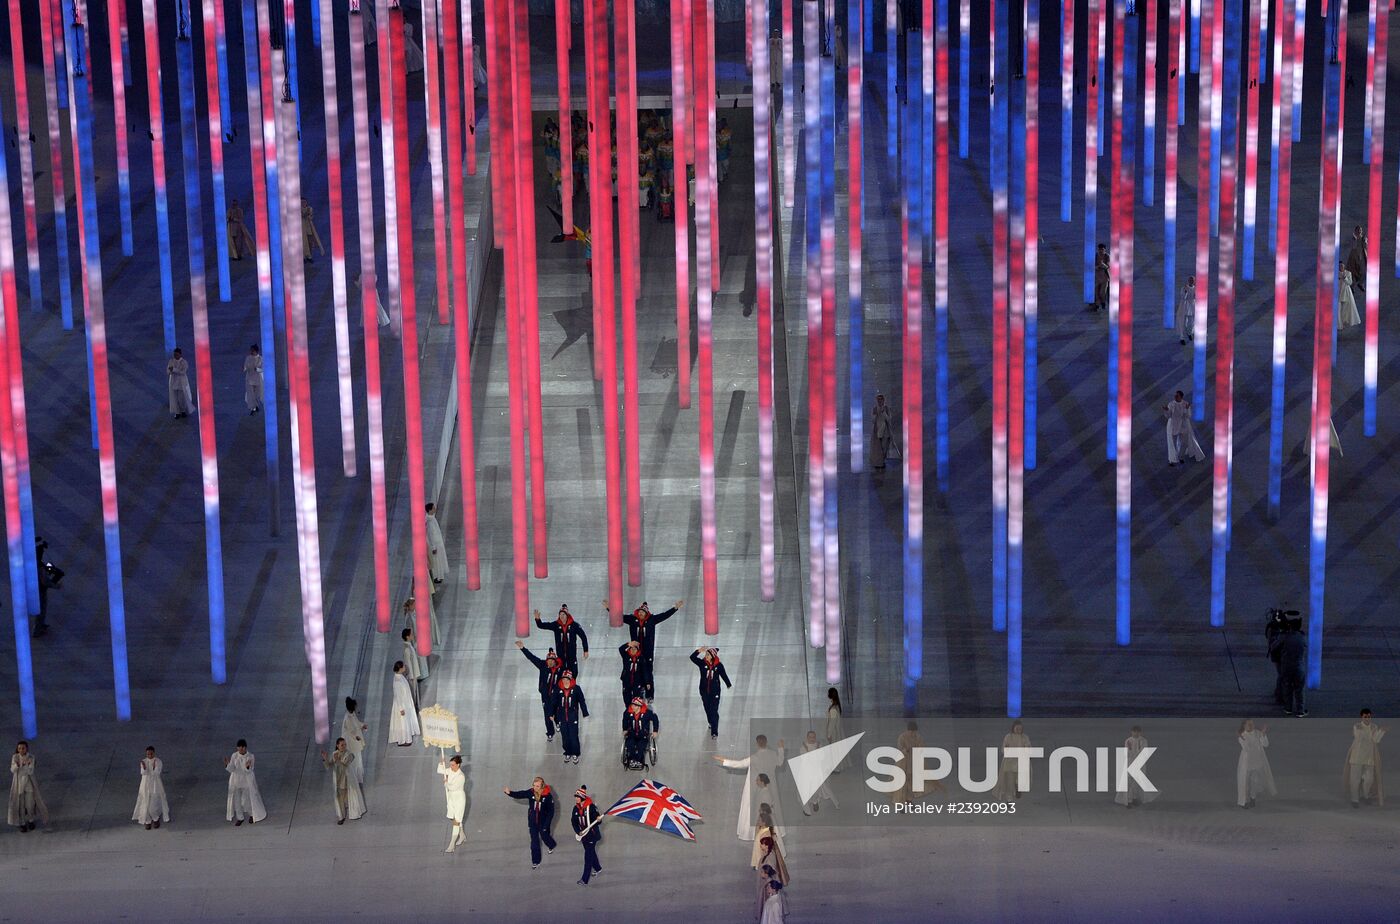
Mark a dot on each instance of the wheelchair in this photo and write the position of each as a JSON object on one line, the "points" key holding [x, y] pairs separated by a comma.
{"points": [[648, 756]]}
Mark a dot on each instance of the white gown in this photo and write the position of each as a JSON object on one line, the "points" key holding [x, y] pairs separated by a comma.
{"points": [[1134, 792], [455, 783], [243, 795], [1179, 428], [344, 767], [765, 761], [403, 717], [354, 737], [1349, 316], [151, 804], [1252, 774], [1186, 313], [438, 568], [823, 793], [26, 804], [178, 385], [253, 381]]}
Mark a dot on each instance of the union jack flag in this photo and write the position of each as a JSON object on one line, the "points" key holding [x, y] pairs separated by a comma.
{"points": [[658, 806]]}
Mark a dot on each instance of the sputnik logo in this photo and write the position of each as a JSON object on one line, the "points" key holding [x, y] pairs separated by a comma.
{"points": [[811, 770]]}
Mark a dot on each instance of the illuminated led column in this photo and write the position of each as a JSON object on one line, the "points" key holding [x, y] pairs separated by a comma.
{"points": [[891, 78], [469, 94], [386, 102], [1123, 149], [501, 113], [1217, 57], [816, 484], [204, 375], [215, 125], [221, 48], [157, 130], [711, 102], [855, 217], [119, 136], [566, 128], [1373, 268], [412, 386], [1149, 103], [331, 98], [1369, 112], [461, 307], [269, 92], [964, 71], [1225, 318], [289, 70], [441, 268], [26, 156], [1335, 78], [1196, 36], [1176, 54], [595, 53], [940, 253], [926, 126], [259, 153], [1066, 110], [789, 102], [1299, 12], [369, 299], [522, 143], [1282, 169], [14, 535], [26, 587], [1198, 331], [1016, 385], [913, 388], [763, 279], [51, 36], [999, 172], [1251, 143], [624, 41], [704, 294], [1091, 148], [680, 134], [299, 386], [1032, 236], [80, 124], [831, 570]]}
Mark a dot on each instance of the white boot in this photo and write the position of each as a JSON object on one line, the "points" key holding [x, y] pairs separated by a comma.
{"points": [[452, 839]]}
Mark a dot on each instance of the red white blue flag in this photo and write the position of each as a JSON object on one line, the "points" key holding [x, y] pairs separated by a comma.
{"points": [[658, 806]]}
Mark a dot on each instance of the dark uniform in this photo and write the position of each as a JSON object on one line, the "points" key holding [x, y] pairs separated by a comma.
{"points": [[540, 816], [550, 670], [636, 675], [710, 676], [569, 705], [1292, 650], [637, 729], [567, 637], [641, 625], [586, 813]]}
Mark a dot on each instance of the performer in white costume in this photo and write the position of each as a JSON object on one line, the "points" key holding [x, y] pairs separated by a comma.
{"points": [[403, 714], [349, 798], [353, 729], [438, 568], [177, 383], [151, 805], [761, 761], [243, 795], [1252, 774], [253, 379], [454, 782]]}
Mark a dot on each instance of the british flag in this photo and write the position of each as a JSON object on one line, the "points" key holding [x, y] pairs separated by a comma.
{"points": [[658, 806]]}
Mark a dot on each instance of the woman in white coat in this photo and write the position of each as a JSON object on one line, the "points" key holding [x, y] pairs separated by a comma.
{"points": [[834, 728], [1252, 774], [177, 380], [353, 728], [26, 804], [243, 795], [1348, 316], [253, 379], [151, 805], [403, 714], [454, 783], [349, 798]]}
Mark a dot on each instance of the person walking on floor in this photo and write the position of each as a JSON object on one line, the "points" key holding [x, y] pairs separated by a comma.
{"points": [[539, 816], [711, 674], [438, 568], [550, 670], [588, 829], [26, 806], [570, 707], [1363, 763], [152, 808], [177, 384], [568, 636], [641, 627], [403, 713], [253, 380], [883, 443], [1181, 439], [345, 784], [309, 237], [454, 783], [353, 729], [243, 796]]}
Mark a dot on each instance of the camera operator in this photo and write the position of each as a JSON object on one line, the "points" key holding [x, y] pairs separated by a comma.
{"points": [[50, 575], [1288, 647], [1276, 622]]}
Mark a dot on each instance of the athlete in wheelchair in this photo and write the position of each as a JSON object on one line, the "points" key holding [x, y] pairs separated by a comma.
{"points": [[640, 727]]}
